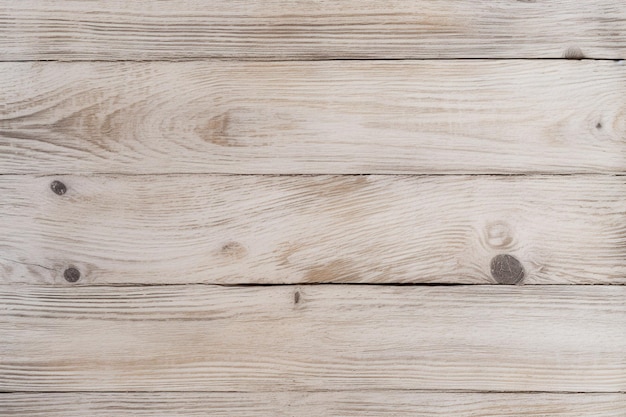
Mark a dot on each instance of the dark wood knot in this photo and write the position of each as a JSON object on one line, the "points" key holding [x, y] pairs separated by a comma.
{"points": [[506, 269], [58, 187], [71, 275]]}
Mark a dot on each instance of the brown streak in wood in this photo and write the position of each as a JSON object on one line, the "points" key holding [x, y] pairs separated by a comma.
{"points": [[216, 131], [336, 270]]}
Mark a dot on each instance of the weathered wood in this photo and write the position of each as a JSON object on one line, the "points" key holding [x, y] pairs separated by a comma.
{"points": [[314, 117], [311, 404], [303, 229], [184, 29], [94, 334], [329, 337]]}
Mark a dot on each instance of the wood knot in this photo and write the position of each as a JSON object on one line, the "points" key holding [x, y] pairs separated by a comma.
{"points": [[216, 131], [573, 53], [498, 235], [506, 269], [58, 187], [234, 250], [71, 274]]}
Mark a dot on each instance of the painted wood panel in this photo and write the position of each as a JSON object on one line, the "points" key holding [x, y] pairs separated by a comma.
{"points": [[311, 404], [433, 117], [160, 229], [325, 337], [152, 150], [311, 29]]}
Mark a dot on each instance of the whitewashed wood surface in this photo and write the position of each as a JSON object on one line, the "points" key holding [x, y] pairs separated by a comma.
{"points": [[331, 117], [370, 403], [311, 29], [281, 208], [325, 337], [165, 229]]}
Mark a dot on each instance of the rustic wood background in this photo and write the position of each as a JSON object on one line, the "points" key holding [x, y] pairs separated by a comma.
{"points": [[313, 208]]}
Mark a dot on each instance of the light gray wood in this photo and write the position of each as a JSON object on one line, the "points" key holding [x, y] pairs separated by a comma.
{"points": [[312, 29], [87, 327], [324, 337], [314, 117], [303, 229], [311, 404]]}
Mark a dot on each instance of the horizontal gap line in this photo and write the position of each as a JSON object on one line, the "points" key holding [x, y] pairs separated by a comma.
{"points": [[222, 174], [303, 284], [262, 59], [357, 390]]}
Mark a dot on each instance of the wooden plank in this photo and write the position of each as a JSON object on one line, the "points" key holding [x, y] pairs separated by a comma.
{"points": [[311, 404], [324, 337], [314, 117], [304, 229], [312, 29]]}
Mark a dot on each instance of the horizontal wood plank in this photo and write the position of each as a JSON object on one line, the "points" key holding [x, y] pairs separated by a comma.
{"points": [[314, 117], [325, 337], [311, 404], [311, 29], [311, 229]]}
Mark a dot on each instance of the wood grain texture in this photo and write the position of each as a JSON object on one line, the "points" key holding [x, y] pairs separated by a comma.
{"points": [[318, 29], [304, 229], [311, 404], [314, 117], [200, 337]]}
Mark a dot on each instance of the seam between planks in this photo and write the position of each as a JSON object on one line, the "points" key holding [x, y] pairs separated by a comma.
{"points": [[533, 174], [282, 59], [295, 285], [411, 390]]}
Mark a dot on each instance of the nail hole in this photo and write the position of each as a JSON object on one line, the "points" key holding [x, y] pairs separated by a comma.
{"points": [[296, 297], [71, 275], [506, 269], [58, 187], [599, 125]]}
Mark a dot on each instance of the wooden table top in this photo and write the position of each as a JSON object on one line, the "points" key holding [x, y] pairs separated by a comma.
{"points": [[313, 208]]}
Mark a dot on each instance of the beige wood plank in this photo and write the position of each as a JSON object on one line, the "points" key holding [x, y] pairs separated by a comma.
{"points": [[311, 404], [325, 337], [314, 117], [304, 229], [184, 29]]}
